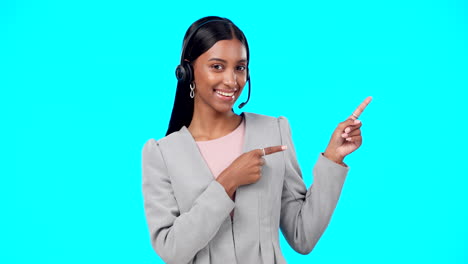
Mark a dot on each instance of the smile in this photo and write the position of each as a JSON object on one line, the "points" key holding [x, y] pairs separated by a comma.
{"points": [[227, 94]]}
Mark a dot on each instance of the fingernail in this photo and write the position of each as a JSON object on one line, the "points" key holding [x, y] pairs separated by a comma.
{"points": [[347, 130], [284, 147], [357, 121], [344, 135]]}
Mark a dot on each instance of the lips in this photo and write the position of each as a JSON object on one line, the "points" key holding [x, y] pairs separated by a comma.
{"points": [[225, 93]]}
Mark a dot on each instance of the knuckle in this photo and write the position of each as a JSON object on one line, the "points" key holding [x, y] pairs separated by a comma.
{"points": [[344, 123]]}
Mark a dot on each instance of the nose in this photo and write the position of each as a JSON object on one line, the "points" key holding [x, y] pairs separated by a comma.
{"points": [[230, 79]]}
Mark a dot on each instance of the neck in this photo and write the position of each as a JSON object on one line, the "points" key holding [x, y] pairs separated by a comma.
{"points": [[208, 124]]}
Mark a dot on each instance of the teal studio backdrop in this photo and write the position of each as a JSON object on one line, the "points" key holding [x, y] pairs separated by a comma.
{"points": [[84, 84]]}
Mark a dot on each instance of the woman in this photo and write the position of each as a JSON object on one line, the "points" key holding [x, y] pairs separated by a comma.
{"points": [[219, 186]]}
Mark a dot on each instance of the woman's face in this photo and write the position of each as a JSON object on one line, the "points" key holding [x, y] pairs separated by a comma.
{"points": [[220, 75]]}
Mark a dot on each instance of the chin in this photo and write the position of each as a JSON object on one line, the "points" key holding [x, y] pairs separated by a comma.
{"points": [[224, 109]]}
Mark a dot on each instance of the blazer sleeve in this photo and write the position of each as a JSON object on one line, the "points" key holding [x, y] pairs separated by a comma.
{"points": [[176, 237], [306, 213]]}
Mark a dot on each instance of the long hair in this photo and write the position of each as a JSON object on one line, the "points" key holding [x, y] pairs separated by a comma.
{"points": [[197, 40]]}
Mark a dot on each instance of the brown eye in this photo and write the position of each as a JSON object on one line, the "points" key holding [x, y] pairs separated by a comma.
{"points": [[217, 67], [241, 68]]}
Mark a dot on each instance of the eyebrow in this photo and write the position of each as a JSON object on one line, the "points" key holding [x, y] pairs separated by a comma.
{"points": [[221, 60]]}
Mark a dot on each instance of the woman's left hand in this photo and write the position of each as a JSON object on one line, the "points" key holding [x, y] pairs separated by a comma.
{"points": [[347, 136]]}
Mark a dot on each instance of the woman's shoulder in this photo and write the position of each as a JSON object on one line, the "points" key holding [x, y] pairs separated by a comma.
{"points": [[265, 119], [170, 140], [262, 117]]}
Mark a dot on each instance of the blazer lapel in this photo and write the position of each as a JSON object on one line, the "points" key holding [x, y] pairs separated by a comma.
{"points": [[205, 174]]}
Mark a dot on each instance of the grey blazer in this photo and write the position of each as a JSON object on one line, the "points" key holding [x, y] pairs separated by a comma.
{"points": [[188, 211]]}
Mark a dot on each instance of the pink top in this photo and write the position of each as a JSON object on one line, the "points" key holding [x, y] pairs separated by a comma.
{"points": [[221, 152]]}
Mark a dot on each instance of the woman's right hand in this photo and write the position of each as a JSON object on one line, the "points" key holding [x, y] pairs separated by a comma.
{"points": [[246, 169]]}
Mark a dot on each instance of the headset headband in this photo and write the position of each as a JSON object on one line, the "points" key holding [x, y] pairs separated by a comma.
{"points": [[187, 41]]}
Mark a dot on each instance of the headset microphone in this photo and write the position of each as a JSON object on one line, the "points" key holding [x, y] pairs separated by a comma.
{"points": [[248, 96]]}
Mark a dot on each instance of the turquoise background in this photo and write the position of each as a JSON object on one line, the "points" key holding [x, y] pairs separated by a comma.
{"points": [[84, 84]]}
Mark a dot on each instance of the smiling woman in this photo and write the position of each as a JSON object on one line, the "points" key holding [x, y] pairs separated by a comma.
{"points": [[219, 186], [203, 37], [220, 75]]}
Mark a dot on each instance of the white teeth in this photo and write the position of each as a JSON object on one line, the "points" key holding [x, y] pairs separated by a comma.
{"points": [[224, 94]]}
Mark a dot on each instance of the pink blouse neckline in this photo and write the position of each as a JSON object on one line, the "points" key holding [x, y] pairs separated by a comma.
{"points": [[225, 137]]}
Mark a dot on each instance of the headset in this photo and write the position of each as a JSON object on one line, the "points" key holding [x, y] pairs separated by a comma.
{"points": [[184, 71]]}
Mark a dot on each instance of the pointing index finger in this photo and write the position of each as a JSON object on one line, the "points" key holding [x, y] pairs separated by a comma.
{"points": [[271, 150], [360, 108]]}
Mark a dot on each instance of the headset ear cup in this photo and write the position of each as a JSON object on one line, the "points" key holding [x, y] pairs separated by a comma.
{"points": [[184, 72], [179, 72]]}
